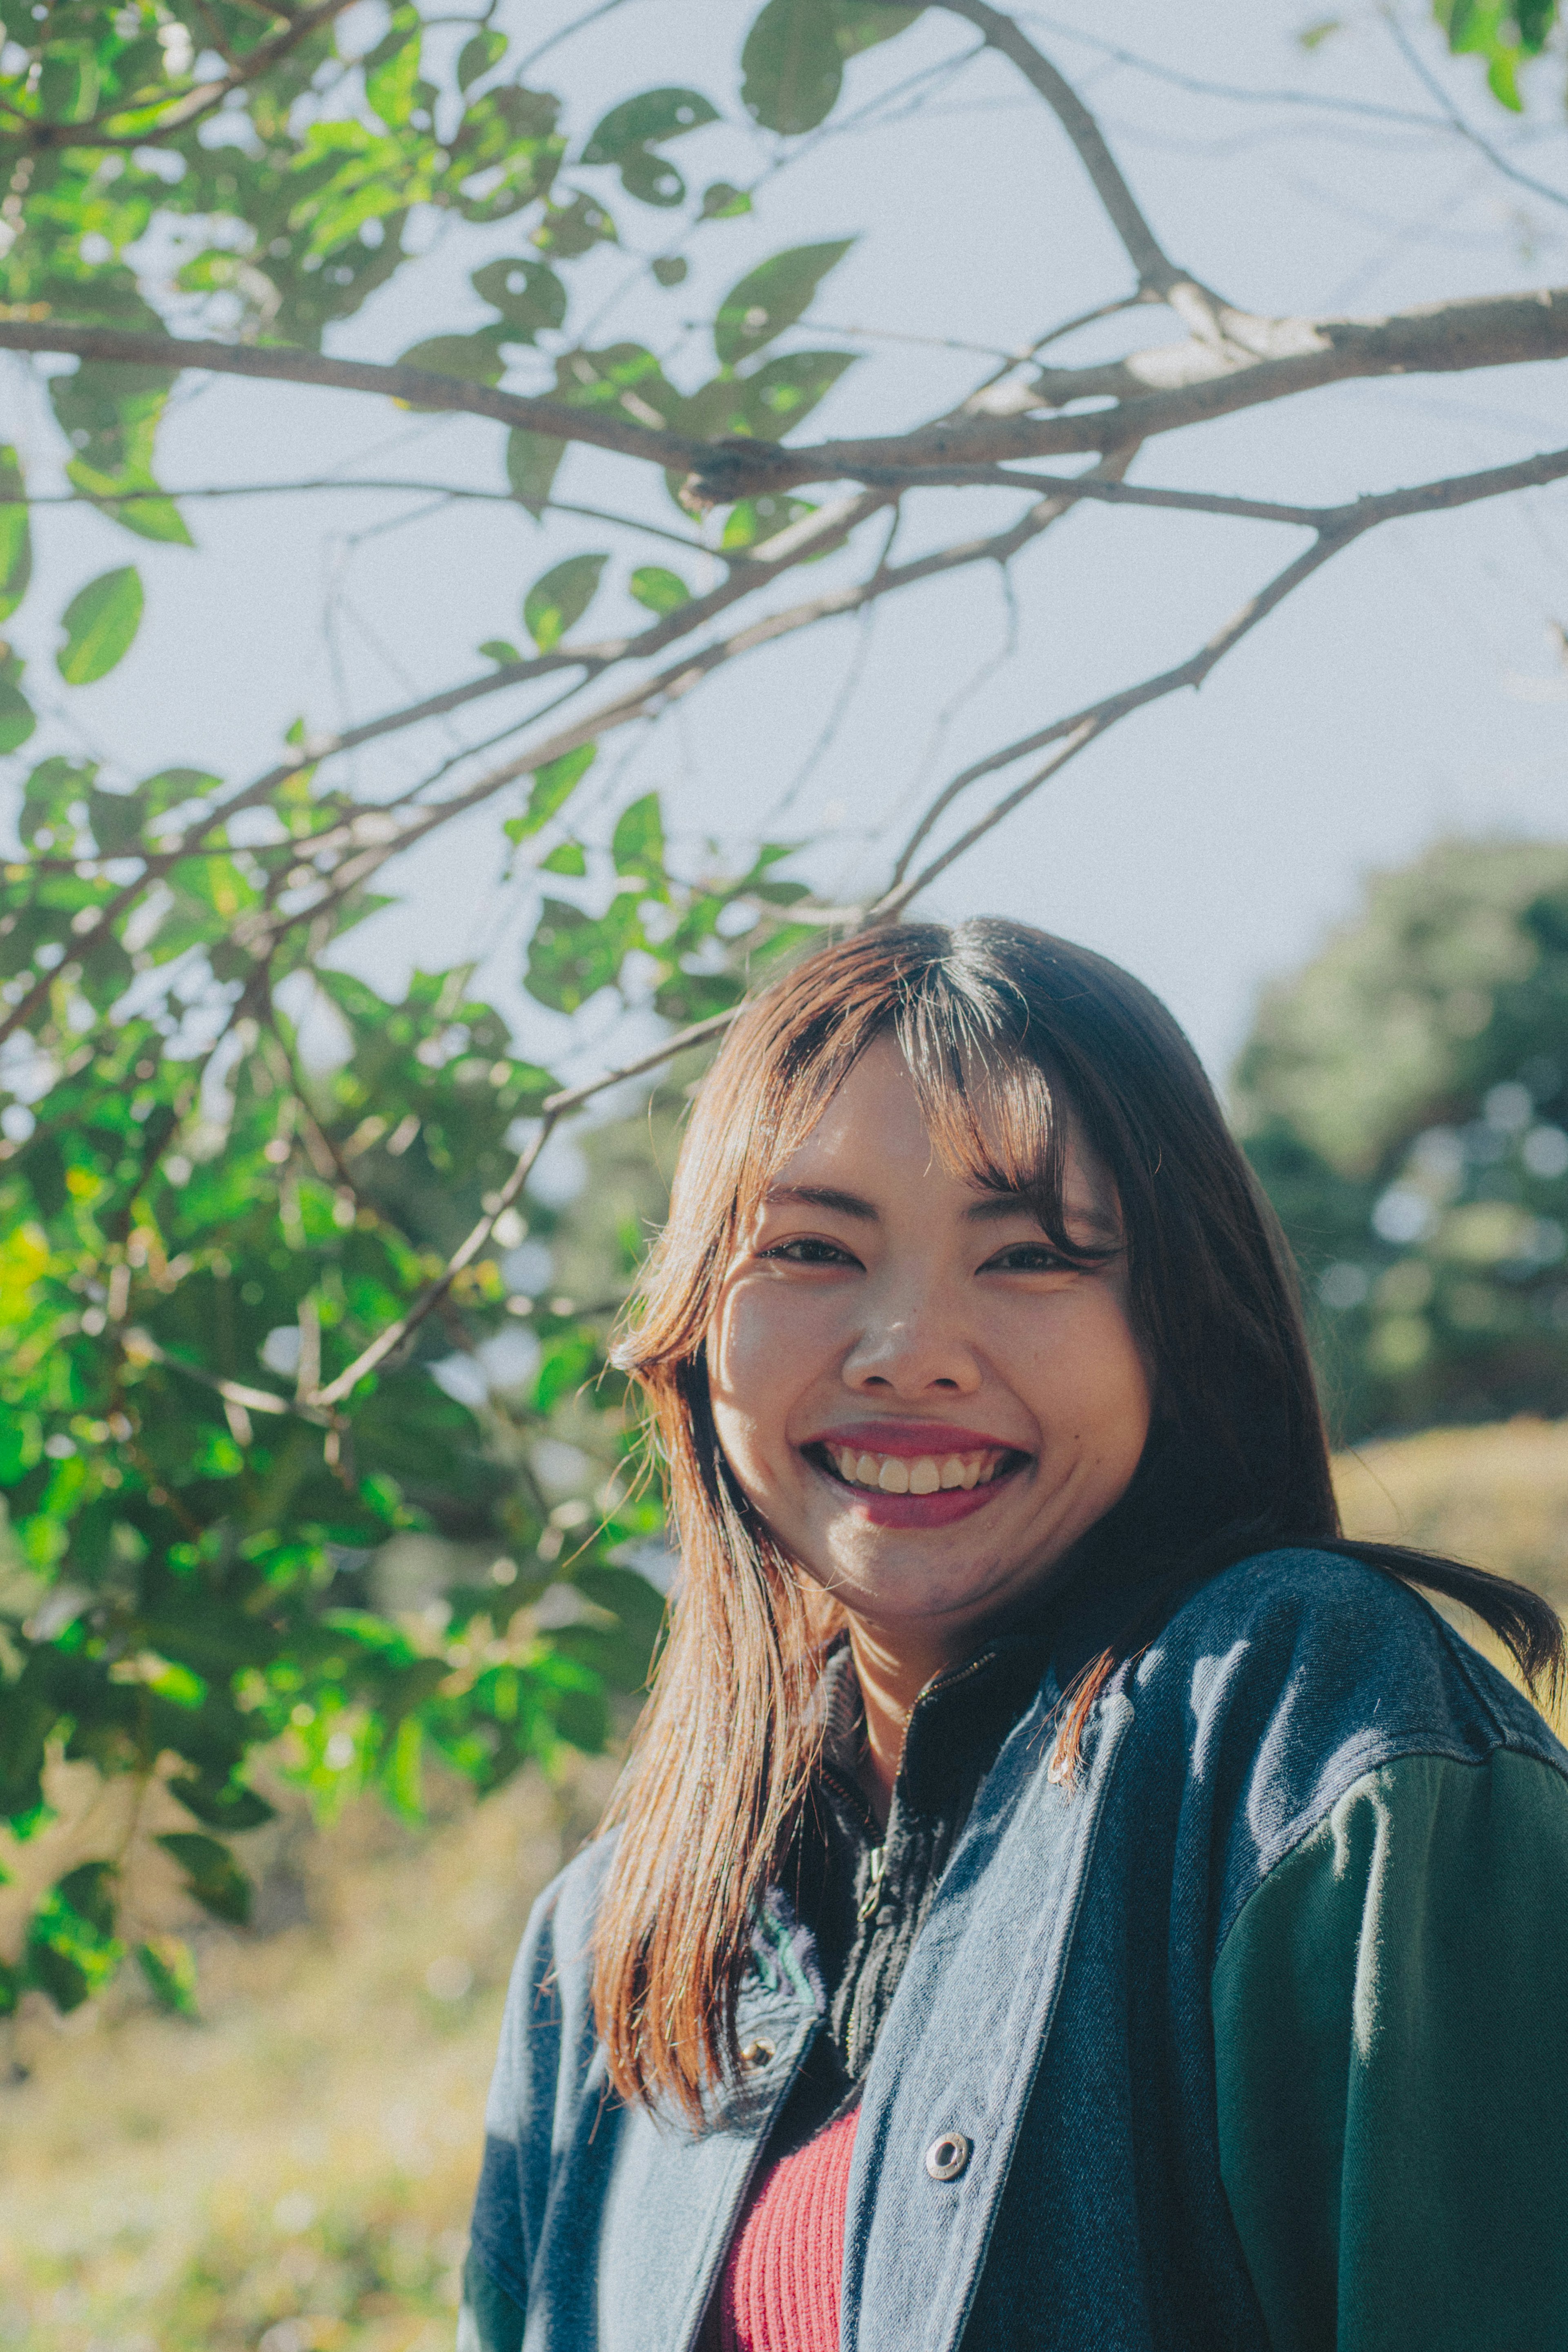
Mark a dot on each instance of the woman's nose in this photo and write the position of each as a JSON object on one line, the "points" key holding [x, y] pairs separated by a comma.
{"points": [[907, 1346]]}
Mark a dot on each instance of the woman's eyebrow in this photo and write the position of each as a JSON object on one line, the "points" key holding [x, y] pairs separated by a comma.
{"points": [[1013, 1205], [819, 1196]]}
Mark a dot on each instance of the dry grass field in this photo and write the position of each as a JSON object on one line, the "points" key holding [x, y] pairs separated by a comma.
{"points": [[293, 2173]]}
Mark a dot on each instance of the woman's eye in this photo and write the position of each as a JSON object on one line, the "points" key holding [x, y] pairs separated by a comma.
{"points": [[811, 1252], [1028, 1257]]}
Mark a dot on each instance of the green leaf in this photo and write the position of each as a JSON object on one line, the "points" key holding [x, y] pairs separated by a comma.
{"points": [[785, 389], [770, 400], [1503, 78], [651, 179], [391, 70], [1313, 36], [528, 294], [560, 597], [170, 1967], [484, 50], [155, 518], [100, 623], [212, 1874], [771, 297], [552, 784], [637, 844], [566, 1360], [532, 461], [15, 540], [566, 858], [645, 121], [791, 66], [862, 24], [660, 590], [750, 522], [222, 1803], [48, 796], [574, 228], [499, 649], [17, 719], [89, 1891], [12, 1984], [116, 819], [70, 1951], [571, 956], [670, 269], [724, 201], [473, 359]]}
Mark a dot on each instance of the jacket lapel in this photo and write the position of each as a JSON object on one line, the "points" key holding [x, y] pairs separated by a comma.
{"points": [[961, 2047], [642, 2208]]}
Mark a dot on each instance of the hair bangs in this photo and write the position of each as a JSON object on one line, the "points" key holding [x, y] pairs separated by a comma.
{"points": [[995, 1115]]}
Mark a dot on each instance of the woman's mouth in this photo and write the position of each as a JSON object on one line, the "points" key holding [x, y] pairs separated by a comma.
{"points": [[927, 1473], [916, 1490]]}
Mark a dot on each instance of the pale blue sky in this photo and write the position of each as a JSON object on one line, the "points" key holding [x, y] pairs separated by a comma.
{"points": [[1408, 691]]}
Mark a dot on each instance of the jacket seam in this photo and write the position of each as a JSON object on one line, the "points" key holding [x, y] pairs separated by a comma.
{"points": [[1401, 1756], [1466, 1662], [495, 2272], [1369, 1755]]}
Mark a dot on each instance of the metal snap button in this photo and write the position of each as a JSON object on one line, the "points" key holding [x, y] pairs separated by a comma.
{"points": [[756, 2054], [946, 2158]]}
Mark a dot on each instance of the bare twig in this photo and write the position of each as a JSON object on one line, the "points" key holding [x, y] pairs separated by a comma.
{"points": [[1072, 734], [1156, 272], [1466, 131], [142, 1347]]}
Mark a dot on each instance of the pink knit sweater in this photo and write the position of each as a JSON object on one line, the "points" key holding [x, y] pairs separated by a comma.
{"points": [[779, 2289]]}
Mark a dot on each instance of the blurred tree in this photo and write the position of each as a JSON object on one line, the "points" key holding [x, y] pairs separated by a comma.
{"points": [[1404, 1100]]}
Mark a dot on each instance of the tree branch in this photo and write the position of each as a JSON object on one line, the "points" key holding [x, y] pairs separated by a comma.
{"points": [[555, 1109], [418, 387], [1337, 528], [1157, 273], [1277, 359], [1300, 355], [678, 678], [1074, 734]]}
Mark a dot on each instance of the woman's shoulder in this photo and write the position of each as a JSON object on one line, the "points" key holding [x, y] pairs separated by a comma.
{"points": [[555, 1960], [1309, 1657]]}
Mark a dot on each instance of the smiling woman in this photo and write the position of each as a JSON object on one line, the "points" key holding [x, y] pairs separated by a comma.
{"points": [[1064, 1892]]}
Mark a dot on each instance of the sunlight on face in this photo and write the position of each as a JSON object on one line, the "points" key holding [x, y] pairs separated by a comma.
{"points": [[925, 1403]]}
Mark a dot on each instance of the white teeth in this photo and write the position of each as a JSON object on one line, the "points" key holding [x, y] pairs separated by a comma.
{"points": [[895, 1474]]}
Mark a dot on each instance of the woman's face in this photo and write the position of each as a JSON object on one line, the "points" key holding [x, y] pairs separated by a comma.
{"points": [[925, 1403]]}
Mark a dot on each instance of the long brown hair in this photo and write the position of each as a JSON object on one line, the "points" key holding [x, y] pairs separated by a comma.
{"points": [[1003, 1028]]}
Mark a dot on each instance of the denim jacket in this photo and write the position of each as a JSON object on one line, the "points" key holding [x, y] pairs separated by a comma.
{"points": [[1252, 2039]]}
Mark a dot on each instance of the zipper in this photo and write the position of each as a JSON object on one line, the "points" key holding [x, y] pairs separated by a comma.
{"points": [[873, 1895]]}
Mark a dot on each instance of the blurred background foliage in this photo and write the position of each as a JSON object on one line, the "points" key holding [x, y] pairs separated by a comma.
{"points": [[1404, 1100]]}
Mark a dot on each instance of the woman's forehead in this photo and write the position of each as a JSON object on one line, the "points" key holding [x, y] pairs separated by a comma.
{"points": [[874, 1137]]}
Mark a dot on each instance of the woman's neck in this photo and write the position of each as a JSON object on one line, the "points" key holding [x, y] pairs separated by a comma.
{"points": [[892, 1671]]}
